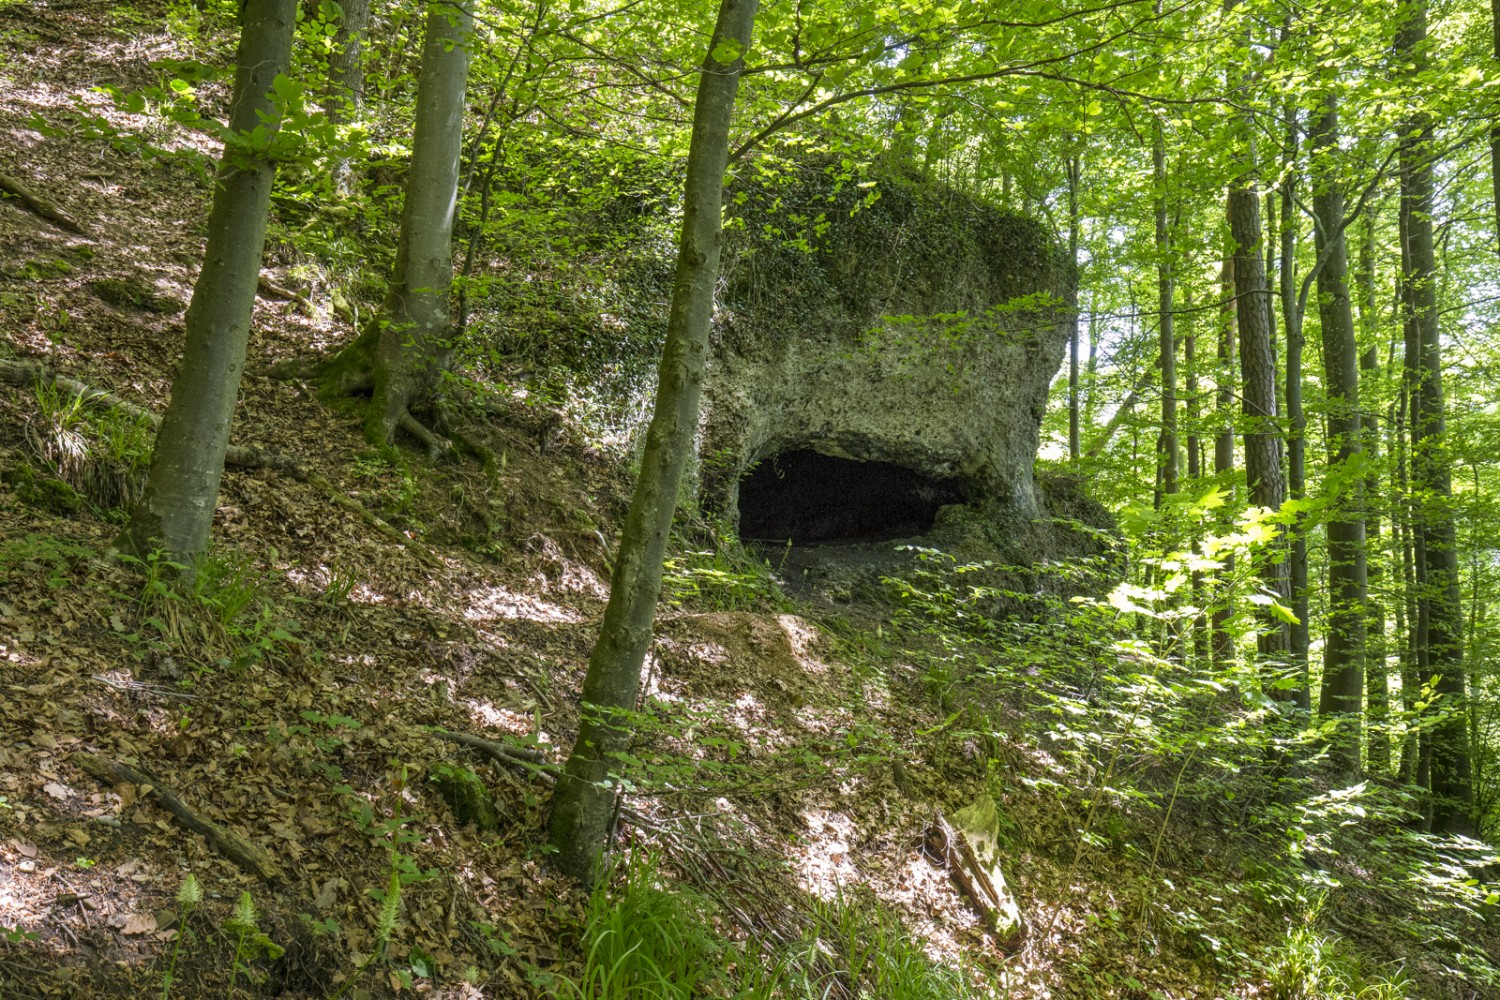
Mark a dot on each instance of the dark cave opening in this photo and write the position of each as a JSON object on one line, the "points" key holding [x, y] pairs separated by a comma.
{"points": [[807, 497]]}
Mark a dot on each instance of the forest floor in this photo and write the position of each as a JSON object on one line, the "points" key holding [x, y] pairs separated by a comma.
{"points": [[299, 694]]}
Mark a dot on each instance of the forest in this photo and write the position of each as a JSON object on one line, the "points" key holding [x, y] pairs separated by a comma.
{"points": [[810, 499]]}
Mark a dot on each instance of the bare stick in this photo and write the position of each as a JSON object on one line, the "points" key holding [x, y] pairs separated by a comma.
{"points": [[223, 840]]}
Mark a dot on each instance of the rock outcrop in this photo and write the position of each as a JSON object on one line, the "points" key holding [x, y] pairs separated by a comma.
{"points": [[917, 335]]}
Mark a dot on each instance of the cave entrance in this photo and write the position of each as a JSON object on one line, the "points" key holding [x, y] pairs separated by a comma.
{"points": [[807, 497]]}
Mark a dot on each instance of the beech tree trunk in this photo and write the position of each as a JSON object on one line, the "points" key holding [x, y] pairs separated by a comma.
{"points": [[1222, 642], [583, 803], [1261, 433], [187, 463], [1296, 438], [1075, 445], [346, 77], [1342, 694], [1450, 774], [1167, 347], [401, 356]]}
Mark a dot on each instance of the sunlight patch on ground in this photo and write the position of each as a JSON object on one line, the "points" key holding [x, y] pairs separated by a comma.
{"points": [[488, 603], [492, 716], [801, 637], [823, 862]]}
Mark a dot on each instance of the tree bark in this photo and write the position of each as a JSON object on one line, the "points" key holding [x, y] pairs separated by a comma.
{"points": [[346, 77], [582, 806], [182, 489], [1495, 129], [1296, 438], [1222, 642], [1377, 680], [401, 356], [1167, 347], [1075, 446], [1452, 794], [1342, 694], [1261, 433]]}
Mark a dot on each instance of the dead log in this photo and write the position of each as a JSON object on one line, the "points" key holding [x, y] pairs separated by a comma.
{"points": [[951, 848], [223, 840], [39, 206]]}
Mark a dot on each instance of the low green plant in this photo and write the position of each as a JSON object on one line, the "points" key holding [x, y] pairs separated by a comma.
{"points": [[250, 942], [189, 895], [874, 956], [102, 452], [1313, 966], [643, 940], [217, 605], [726, 578], [46, 557]]}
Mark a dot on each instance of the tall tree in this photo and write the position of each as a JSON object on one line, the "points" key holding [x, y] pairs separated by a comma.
{"points": [[1223, 642], [582, 805], [346, 78], [1075, 446], [402, 354], [182, 489], [1437, 557], [1296, 435], [1342, 695], [1261, 433], [1167, 339]]}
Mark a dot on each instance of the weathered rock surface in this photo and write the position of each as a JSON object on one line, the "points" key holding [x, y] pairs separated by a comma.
{"points": [[922, 331]]}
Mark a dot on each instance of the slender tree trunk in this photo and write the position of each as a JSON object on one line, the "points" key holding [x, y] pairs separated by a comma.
{"points": [[1404, 517], [182, 488], [1223, 643], [1167, 347], [346, 77], [1377, 683], [1342, 695], [1261, 433], [1194, 407], [582, 805], [1296, 442], [1075, 446], [1495, 129], [400, 357], [1452, 792]]}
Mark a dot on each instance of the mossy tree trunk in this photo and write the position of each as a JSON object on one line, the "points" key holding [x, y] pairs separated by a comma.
{"points": [[583, 804], [1342, 694], [400, 357], [182, 489]]}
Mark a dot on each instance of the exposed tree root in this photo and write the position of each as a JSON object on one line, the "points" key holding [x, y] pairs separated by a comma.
{"points": [[351, 374], [28, 373], [223, 840], [269, 287], [40, 206]]}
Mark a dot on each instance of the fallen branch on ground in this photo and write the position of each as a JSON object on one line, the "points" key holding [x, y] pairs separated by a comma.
{"points": [[40, 206], [226, 842]]}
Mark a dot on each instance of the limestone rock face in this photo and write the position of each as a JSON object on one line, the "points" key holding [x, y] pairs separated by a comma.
{"points": [[923, 331]]}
